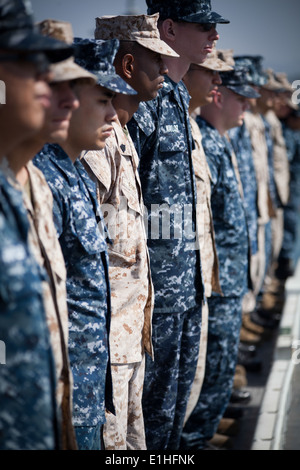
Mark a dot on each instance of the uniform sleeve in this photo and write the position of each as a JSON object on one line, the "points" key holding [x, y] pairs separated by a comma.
{"points": [[57, 216], [60, 207]]}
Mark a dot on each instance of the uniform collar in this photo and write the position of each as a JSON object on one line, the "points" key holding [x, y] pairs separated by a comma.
{"points": [[179, 92], [214, 133]]}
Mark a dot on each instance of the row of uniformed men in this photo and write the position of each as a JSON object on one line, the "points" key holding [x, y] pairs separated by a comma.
{"points": [[78, 310]]}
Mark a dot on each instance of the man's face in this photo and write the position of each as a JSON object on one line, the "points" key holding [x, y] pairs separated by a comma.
{"points": [[194, 40], [202, 84], [267, 98], [234, 107], [58, 115], [149, 69], [27, 98], [281, 105], [91, 123]]}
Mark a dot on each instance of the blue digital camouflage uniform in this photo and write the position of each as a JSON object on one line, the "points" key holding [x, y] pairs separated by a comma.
{"points": [[274, 198], [27, 379], [225, 313], [241, 143], [161, 133], [88, 294], [272, 185], [291, 210]]}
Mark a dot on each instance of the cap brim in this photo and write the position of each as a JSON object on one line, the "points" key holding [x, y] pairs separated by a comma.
{"points": [[157, 45], [69, 70], [272, 87], [260, 82], [115, 83], [217, 66], [32, 41], [244, 90], [209, 17]]}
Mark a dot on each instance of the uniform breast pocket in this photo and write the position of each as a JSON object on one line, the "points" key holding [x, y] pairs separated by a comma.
{"points": [[20, 275], [172, 165], [230, 200], [171, 143], [128, 227]]}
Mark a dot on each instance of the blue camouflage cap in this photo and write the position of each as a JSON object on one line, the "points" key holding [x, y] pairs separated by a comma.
{"points": [[97, 57], [191, 11], [238, 80], [18, 33], [257, 76]]}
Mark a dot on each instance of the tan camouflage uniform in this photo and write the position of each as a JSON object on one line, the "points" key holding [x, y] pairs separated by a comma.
{"points": [[46, 249], [209, 257], [119, 193], [256, 128], [282, 179]]}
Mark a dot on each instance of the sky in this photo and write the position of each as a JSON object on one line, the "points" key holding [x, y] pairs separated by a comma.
{"points": [[270, 28]]}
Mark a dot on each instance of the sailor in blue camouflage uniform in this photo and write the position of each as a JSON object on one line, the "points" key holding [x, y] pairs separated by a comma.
{"points": [[28, 414], [84, 250], [291, 132], [232, 242], [242, 146], [264, 104], [162, 135], [82, 234], [274, 199], [241, 143], [27, 378]]}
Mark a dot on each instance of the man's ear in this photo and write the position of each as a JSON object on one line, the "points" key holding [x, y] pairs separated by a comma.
{"points": [[168, 30], [218, 99], [127, 65]]}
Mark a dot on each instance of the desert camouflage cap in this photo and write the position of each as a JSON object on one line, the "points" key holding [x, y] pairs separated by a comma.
{"points": [[97, 57], [19, 34], [272, 84], [288, 90], [238, 81], [139, 28], [282, 78], [257, 76], [191, 11], [226, 55], [219, 60], [67, 69]]}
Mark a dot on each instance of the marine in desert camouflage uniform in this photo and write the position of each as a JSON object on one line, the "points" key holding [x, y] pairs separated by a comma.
{"points": [[256, 128], [119, 191], [278, 175]]}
